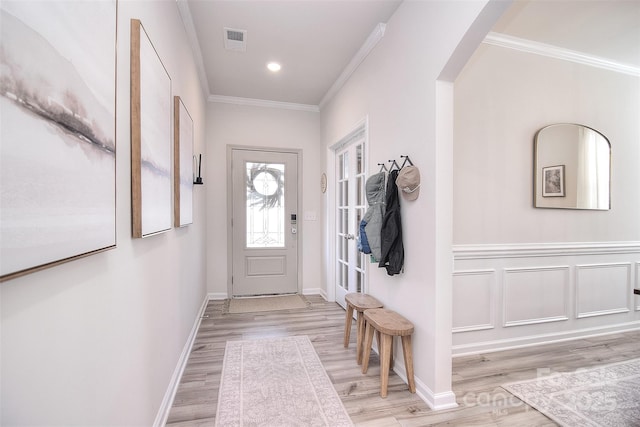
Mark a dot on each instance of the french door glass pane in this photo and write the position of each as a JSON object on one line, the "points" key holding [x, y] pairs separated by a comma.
{"points": [[359, 256], [345, 166], [344, 276], [265, 205]]}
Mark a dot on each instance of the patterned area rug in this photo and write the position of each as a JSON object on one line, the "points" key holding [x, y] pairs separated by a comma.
{"points": [[277, 382], [600, 397]]}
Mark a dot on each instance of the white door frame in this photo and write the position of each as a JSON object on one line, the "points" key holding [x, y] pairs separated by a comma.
{"points": [[300, 233], [359, 131]]}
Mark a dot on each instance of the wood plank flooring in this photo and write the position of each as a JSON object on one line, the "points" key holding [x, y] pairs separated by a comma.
{"points": [[476, 379]]}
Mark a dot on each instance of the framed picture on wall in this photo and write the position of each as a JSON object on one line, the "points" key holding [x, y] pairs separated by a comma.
{"points": [[182, 164], [57, 133], [553, 181], [151, 117]]}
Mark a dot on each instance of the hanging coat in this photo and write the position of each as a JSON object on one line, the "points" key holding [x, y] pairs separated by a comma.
{"points": [[372, 220], [391, 231]]}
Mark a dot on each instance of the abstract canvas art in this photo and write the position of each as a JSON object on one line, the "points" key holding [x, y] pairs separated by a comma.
{"points": [[151, 117], [57, 141], [183, 165]]}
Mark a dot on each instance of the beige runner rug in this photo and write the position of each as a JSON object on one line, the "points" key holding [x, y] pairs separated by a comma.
{"points": [[277, 382], [606, 396], [253, 305]]}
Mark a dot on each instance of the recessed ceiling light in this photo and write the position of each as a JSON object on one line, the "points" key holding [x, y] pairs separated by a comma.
{"points": [[273, 66]]}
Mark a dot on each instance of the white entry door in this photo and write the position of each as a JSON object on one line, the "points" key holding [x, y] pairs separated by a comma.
{"points": [[350, 208], [264, 222]]}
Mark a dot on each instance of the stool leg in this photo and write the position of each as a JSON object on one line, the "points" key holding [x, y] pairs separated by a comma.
{"points": [[360, 338], [408, 361], [368, 339], [347, 325], [385, 363]]}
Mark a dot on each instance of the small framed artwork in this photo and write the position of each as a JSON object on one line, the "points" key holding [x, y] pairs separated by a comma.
{"points": [[151, 117], [553, 181], [182, 164]]}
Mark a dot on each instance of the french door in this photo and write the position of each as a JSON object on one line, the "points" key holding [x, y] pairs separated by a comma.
{"points": [[264, 222], [350, 206]]}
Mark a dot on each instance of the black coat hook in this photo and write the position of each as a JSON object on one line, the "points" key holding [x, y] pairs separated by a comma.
{"points": [[394, 164], [406, 159]]}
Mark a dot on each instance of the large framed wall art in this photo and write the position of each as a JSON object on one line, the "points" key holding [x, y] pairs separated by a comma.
{"points": [[182, 164], [151, 116], [57, 137]]}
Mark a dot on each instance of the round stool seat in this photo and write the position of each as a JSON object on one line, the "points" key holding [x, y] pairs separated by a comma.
{"points": [[388, 324], [358, 302], [362, 302]]}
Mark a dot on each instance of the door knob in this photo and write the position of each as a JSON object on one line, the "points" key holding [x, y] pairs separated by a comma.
{"points": [[350, 236]]}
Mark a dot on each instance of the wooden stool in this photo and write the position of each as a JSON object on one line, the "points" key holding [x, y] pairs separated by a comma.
{"points": [[359, 302], [389, 324]]}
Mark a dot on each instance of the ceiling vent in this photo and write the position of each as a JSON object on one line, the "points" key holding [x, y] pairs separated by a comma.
{"points": [[235, 39]]}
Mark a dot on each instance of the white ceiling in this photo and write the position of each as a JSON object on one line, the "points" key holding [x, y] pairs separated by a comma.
{"points": [[315, 40], [608, 29]]}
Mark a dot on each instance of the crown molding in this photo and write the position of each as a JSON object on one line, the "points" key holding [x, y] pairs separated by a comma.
{"points": [[187, 21], [263, 103], [364, 51], [536, 48]]}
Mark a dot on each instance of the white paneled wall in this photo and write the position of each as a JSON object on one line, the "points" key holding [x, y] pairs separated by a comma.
{"points": [[535, 295], [474, 307], [603, 289], [512, 295]]}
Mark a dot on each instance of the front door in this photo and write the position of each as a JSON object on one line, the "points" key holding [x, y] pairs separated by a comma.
{"points": [[264, 222], [350, 208]]}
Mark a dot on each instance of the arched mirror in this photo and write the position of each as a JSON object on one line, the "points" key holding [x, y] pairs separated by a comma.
{"points": [[572, 168]]}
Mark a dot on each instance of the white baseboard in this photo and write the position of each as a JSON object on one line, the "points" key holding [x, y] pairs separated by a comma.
{"points": [[435, 401], [170, 394], [314, 291], [528, 341], [217, 296]]}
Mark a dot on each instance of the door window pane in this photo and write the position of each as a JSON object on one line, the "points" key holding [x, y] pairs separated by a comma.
{"points": [[265, 205], [345, 166]]}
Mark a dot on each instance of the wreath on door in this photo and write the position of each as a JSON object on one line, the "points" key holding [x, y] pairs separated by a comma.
{"points": [[265, 186]]}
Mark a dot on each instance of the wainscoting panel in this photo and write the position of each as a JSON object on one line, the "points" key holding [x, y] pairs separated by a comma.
{"points": [[514, 295], [473, 291], [535, 295], [603, 289]]}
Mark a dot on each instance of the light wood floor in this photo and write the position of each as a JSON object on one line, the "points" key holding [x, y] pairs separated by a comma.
{"points": [[476, 379]]}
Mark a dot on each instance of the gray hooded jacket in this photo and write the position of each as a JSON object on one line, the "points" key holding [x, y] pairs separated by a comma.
{"points": [[375, 189]]}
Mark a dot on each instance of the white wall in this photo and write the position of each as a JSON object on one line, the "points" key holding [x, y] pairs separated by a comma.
{"points": [[502, 98], [525, 275], [395, 87], [254, 126], [96, 341]]}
